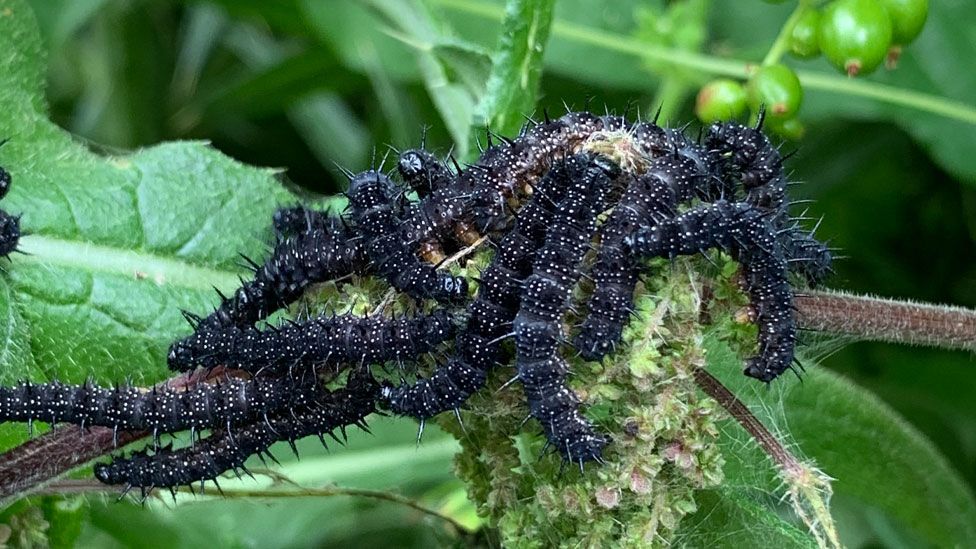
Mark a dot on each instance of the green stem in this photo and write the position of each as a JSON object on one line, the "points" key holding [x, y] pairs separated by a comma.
{"points": [[670, 94], [75, 486], [889, 94], [779, 46], [709, 65]]}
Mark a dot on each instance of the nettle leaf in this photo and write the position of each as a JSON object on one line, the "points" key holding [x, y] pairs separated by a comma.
{"points": [[729, 518], [116, 245], [413, 25], [875, 456], [517, 66]]}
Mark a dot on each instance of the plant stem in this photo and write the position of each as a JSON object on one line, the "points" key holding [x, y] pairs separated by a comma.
{"points": [[74, 486], [779, 46], [780, 455], [807, 488], [878, 319]]}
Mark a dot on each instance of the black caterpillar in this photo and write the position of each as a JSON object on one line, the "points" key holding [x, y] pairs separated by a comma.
{"points": [[320, 341], [545, 299], [749, 157], [649, 198], [567, 171], [490, 315], [434, 221], [749, 235], [314, 249], [371, 199], [225, 450], [158, 410]]}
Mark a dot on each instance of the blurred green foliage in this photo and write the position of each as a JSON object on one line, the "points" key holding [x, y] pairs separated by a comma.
{"points": [[306, 84]]}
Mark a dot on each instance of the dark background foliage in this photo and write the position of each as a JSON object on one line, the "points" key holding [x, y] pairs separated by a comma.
{"points": [[305, 85]]}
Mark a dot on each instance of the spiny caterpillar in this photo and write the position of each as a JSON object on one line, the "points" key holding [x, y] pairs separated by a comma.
{"points": [[543, 201]]}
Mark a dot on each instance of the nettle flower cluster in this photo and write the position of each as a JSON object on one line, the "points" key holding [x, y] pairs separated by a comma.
{"points": [[563, 224]]}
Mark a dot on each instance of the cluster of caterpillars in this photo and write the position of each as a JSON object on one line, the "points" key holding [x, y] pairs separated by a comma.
{"points": [[579, 196]]}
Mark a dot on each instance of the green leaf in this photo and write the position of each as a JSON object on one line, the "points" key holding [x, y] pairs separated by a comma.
{"points": [[517, 66], [66, 516], [412, 25], [876, 457], [730, 518], [347, 26], [454, 103], [467, 62], [117, 245], [279, 84]]}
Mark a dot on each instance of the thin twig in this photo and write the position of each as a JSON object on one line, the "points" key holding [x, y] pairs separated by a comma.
{"points": [[391, 293], [878, 319], [464, 252], [76, 486]]}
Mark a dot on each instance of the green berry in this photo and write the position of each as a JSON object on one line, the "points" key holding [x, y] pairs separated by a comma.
{"points": [[805, 35], [721, 99], [790, 128], [778, 89], [907, 19], [855, 35]]}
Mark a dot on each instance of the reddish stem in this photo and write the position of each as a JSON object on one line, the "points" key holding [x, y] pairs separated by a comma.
{"points": [[878, 319]]}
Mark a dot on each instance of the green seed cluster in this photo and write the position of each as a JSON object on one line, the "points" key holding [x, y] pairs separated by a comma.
{"points": [[644, 396]]}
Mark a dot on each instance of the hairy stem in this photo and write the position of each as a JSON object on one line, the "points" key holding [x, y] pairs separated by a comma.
{"points": [[878, 319], [807, 488], [780, 455]]}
